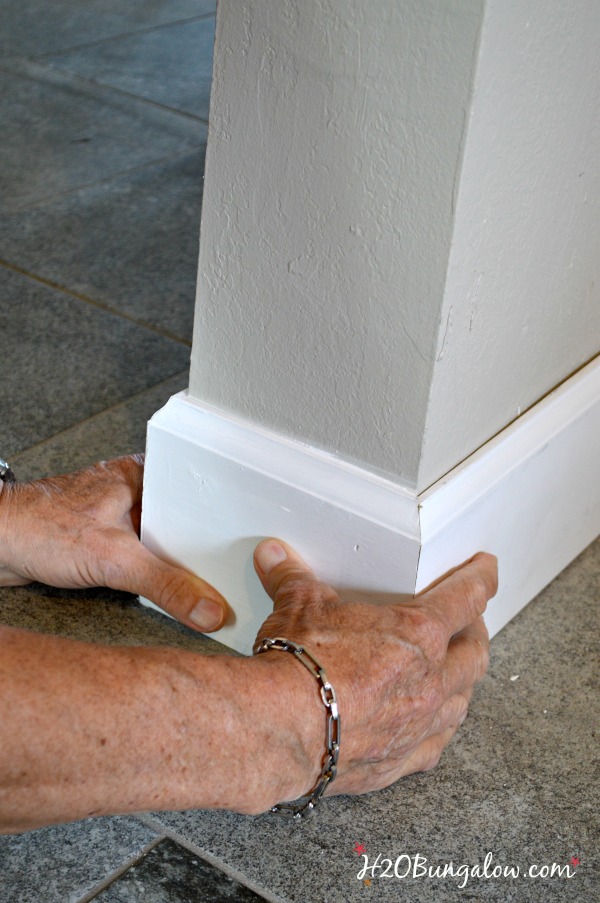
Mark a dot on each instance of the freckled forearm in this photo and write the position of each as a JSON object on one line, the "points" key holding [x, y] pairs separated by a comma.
{"points": [[91, 730], [10, 527], [3, 534]]}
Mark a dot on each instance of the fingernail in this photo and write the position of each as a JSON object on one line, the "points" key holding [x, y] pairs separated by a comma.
{"points": [[269, 555], [206, 614]]}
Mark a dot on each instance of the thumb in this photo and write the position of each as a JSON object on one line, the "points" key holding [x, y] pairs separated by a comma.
{"points": [[188, 598], [283, 573]]}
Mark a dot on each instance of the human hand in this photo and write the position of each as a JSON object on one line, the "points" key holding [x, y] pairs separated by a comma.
{"points": [[403, 673], [81, 529]]}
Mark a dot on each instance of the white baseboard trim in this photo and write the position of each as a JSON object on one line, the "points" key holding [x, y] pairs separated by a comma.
{"points": [[531, 496], [215, 486]]}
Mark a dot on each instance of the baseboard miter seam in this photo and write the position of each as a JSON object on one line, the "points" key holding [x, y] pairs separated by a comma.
{"points": [[215, 485]]}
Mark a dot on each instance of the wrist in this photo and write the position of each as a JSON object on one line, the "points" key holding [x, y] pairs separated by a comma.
{"points": [[300, 807], [4, 532], [282, 724], [156, 729], [296, 725], [266, 740], [9, 534]]}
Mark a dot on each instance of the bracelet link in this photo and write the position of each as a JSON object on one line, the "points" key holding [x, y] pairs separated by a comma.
{"points": [[6, 474], [303, 809]]}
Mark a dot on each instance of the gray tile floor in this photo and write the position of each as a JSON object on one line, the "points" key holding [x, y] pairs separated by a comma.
{"points": [[104, 108]]}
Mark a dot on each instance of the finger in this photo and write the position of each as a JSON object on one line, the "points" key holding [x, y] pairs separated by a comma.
{"points": [[447, 574], [135, 516], [424, 757], [451, 714], [461, 597], [468, 657], [283, 572], [188, 598], [427, 754], [131, 469]]}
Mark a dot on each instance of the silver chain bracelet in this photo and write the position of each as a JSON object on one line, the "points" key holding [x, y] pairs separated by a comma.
{"points": [[6, 474], [302, 809]]}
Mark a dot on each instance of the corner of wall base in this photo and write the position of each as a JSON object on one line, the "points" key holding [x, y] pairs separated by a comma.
{"points": [[530, 496], [215, 486]]}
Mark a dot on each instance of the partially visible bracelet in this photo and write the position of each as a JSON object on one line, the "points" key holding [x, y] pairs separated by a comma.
{"points": [[333, 726], [6, 474]]}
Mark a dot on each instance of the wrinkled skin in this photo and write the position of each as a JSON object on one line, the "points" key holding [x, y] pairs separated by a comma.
{"points": [[81, 529], [403, 673]]}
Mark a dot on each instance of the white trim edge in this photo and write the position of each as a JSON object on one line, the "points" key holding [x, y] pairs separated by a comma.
{"points": [[215, 485], [531, 496]]}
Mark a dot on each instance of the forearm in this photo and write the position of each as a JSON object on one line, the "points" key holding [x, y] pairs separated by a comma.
{"points": [[4, 569], [12, 531], [91, 730], [6, 572]]}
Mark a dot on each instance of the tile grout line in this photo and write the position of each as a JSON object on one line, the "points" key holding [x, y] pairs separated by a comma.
{"points": [[129, 94], [96, 416], [107, 308], [114, 876], [213, 860], [159, 161], [24, 67], [122, 36]]}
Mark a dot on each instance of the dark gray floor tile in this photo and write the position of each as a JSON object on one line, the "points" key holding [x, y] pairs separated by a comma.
{"points": [[518, 781], [63, 360], [58, 135], [98, 616], [62, 864], [171, 65], [38, 27], [171, 874], [118, 431], [131, 242]]}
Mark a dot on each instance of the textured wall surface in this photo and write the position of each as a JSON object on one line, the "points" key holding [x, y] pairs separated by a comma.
{"points": [[335, 143], [522, 303]]}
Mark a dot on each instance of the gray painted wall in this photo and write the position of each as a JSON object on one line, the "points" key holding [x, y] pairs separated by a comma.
{"points": [[335, 139], [521, 308], [400, 225]]}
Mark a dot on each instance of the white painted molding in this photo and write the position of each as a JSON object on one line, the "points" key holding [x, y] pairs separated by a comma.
{"points": [[216, 485], [531, 496]]}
